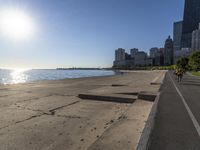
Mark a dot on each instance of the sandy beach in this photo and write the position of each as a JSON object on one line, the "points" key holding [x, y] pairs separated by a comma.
{"points": [[49, 115]]}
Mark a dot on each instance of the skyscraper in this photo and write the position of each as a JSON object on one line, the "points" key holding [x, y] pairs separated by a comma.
{"points": [[177, 40], [191, 21], [177, 35], [196, 39], [168, 52]]}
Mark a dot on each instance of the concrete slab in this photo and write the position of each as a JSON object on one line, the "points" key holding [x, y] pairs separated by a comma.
{"points": [[159, 79], [146, 95], [12, 115], [48, 104], [48, 115], [75, 127], [120, 98], [12, 99], [125, 132]]}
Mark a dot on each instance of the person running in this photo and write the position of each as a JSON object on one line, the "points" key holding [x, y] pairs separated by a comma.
{"points": [[179, 74]]}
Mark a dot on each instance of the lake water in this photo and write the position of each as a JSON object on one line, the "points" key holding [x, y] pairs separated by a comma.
{"points": [[25, 76]]}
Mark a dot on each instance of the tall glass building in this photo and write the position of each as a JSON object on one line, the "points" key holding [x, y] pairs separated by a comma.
{"points": [[191, 21]]}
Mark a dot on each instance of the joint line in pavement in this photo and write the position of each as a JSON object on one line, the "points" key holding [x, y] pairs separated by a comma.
{"points": [[194, 121]]}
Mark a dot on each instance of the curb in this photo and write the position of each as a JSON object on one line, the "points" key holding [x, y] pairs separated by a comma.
{"points": [[109, 98], [144, 139], [148, 96], [154, 81]]}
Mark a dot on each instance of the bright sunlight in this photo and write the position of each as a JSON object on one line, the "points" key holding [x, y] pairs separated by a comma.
{"points": [[16, 24]]}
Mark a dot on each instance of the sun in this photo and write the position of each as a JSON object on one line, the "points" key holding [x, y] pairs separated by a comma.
{"points": [[16, 24]]}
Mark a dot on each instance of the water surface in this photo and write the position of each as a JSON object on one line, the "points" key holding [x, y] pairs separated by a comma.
{"points": [[25, 76]]}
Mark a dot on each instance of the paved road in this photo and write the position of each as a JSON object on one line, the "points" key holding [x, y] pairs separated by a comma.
{"points": [[178, 118]]}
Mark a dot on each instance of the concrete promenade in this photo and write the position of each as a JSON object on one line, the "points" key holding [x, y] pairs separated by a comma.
{"points": [[178, 117], [49, 115]]}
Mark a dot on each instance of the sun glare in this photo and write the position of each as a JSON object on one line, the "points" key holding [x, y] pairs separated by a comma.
{"points": [[16, 24], [18, 75]]}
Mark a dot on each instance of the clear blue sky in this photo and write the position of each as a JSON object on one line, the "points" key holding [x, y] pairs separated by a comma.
{"points": [[85, 33]]}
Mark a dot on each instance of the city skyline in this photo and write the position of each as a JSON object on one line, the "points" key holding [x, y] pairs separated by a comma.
{"points": [[85, 34], [191, 21]]}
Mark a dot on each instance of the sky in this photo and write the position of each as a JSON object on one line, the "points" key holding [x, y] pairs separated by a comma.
{"points": [[85, 33]]}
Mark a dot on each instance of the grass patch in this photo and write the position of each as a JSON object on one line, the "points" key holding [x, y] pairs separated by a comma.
{"points": [[196, 73]]}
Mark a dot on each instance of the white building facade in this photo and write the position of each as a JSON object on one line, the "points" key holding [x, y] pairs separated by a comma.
{"points": [[120, 54]]}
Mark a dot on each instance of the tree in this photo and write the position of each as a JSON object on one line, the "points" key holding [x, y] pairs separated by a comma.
{"points": [[194, 61], [183, 63]]}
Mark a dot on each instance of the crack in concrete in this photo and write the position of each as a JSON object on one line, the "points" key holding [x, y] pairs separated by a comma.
{"points": [[4, 127], [36, 110], [21, 121], [111, 124], [35, 116], [70, 117], [52, 111]]}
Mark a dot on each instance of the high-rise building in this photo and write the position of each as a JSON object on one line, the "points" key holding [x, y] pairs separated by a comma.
{"points": [[140, 58], [190, 22], [159, 57], [196, 39], [122, 59], [177, 35], [177, 40], [168, 52], [152, 52], [120, 54], [134, 59], [133, 52], [127, 56]]}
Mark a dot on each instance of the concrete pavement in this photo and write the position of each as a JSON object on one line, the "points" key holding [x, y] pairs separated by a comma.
{"points": [[48, 115], [178, 117]]}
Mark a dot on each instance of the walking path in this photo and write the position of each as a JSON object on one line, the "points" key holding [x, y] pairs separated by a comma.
{"points": [[178, 117]]}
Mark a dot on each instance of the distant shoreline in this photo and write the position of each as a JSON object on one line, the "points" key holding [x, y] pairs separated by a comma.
{"points": [[84, 69]]}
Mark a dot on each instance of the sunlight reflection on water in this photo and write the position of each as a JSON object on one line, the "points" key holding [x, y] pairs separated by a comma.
{"points": [[18, 76]]}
